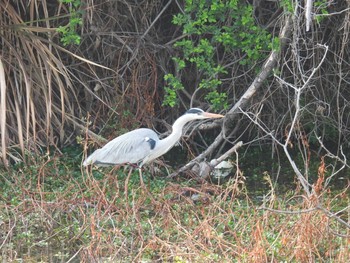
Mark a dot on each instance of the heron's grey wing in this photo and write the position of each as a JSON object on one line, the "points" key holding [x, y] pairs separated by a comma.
{"points": [[131, 147]]}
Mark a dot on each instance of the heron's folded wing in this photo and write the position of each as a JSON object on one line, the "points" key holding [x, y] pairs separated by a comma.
{"points": [[131, 147]]}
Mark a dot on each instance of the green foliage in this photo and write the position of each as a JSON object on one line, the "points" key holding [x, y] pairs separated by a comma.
{"points": [[213, 28], [175, 85], [321, 8], [69, 31], [288, 5], [217, 99]]}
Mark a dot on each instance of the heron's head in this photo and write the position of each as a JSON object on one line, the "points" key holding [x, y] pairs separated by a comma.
{"points": [[197, 114]]}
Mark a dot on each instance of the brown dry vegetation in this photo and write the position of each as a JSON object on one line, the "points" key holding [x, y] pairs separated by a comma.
{"points": [[48, 88], [56, 212]]}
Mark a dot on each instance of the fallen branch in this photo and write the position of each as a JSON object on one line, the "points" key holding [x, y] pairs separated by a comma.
{"points": [[204, 167], [215, 162]]}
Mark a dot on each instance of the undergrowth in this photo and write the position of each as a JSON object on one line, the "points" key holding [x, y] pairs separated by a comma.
{"points": [[56, 211]]}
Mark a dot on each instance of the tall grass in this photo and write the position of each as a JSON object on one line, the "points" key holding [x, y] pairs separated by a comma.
{"points": [[36, 88]]}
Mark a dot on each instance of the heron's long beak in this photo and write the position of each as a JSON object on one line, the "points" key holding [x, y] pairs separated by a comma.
{"points": [[212, 115]]}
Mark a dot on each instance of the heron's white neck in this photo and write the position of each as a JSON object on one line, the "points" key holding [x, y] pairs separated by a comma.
{"points": [[176, 133], [167, 143]]}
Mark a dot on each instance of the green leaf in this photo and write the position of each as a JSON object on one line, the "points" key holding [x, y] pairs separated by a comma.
{"points": [[210, 29]]}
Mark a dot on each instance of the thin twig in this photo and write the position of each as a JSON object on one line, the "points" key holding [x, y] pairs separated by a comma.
{"points": [[288, 211], [156, 19]]}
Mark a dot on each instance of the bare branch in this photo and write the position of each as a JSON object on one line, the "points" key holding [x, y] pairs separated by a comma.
{"points": [[250, 92], [308, 16]]}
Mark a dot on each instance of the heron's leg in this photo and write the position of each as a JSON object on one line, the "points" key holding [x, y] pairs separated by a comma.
{"points": [[126, 184], [141, 178]]}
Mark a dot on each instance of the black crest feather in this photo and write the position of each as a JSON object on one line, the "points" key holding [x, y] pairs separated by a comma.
{"points": [[194, 111]]}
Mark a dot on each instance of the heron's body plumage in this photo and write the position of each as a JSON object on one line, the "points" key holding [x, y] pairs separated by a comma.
{"points": [[142, 145], [131, 147]]}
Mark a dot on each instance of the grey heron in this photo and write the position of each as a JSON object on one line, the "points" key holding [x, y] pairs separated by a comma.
{"points": [[143, 145]]}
